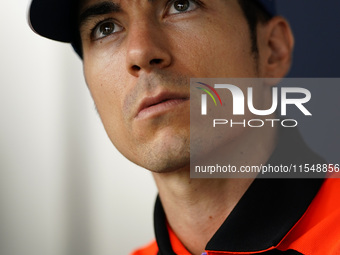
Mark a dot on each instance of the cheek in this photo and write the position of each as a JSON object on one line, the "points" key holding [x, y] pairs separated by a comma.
{"points": [[102, 84], [105, 83], [217, 49]]}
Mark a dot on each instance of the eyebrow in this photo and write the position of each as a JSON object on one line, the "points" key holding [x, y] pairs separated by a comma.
{"points": [[98, 9]]}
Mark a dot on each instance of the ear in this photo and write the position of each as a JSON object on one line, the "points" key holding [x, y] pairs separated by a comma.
{"points": [[275, 44]]}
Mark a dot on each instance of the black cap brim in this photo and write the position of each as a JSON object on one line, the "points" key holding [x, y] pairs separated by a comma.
{"points": [[54, 19]]}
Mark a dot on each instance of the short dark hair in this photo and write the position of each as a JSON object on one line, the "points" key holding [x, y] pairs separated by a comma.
{"points": [[254, 13]]}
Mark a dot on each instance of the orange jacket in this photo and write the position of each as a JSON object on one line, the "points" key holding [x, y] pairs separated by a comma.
{"points": [[274, 216], [317, 232]]}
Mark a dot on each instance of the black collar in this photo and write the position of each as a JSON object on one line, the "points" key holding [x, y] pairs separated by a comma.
{"points": [[268, 209]]}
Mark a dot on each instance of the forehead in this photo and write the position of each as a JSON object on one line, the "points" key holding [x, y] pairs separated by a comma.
{"points": [[121, 4], [88, 8], [125, 5]]}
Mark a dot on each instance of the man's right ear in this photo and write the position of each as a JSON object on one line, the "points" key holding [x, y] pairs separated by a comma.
{"points": [[275, 44]]}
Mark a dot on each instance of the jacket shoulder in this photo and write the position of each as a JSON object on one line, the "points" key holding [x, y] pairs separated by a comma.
{"points": [[318, 231]]}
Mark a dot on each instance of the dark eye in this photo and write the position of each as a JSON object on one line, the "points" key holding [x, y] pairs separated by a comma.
{"points": [[180, 6], [105, 28]]}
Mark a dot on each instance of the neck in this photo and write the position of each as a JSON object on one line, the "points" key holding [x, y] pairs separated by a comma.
{"points": [[204, 204], [199, 204]]}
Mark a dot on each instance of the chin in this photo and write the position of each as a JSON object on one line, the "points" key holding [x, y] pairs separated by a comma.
{"points": [[166, 156], [169, 166]]}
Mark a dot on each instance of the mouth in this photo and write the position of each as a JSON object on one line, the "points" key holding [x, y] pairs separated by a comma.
{"points": [[161, 103]]}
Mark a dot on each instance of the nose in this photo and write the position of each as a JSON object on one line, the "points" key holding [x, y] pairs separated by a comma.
{"points": [[147, 48]]}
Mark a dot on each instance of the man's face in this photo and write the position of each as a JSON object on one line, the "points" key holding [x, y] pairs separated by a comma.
{"points": [[138, 58]]}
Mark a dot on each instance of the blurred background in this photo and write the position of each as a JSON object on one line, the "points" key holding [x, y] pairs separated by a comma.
{"points": [[64, 189]]}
